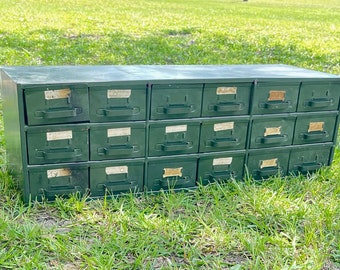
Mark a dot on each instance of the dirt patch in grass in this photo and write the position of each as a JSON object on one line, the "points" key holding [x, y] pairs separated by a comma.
{"points": [[330, 266], [49, 220]]}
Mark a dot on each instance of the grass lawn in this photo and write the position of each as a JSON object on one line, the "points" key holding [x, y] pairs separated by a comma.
{"points": [[280, 223]]}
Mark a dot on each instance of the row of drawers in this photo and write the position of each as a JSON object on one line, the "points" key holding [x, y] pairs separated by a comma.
{"points": [[168, 172], [53, 104], [83, 142]]}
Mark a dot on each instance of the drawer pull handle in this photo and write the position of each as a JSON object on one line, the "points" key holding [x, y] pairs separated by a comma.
{"points": [[315, 135], [176, 146], [51, 193], [309, 167], [267, 172], [175, 182], [221, 175], [120, 111], [228, 107], [112, 187], [61, 153], [178, 109], [274, 139], [115, 150], [59, 113], [320, 102], [224, 142], [276, 105]]}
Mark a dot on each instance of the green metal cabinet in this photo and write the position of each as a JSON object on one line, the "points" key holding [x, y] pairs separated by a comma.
{"points": [[57, 144], [115, 177], [319, 96], [225, 98], [169, 101], [224, 134], [117, 140], [58, 103], [117, 102], [171, 138], [105, 130], [220, 166], [308, 159], [315, 128], [264, 164], [49, 181], [275, 97], [171, 173], [272, 131]]}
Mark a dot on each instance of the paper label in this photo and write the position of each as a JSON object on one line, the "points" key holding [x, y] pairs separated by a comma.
{"points": [[277, 95], [224, 126], [57, 94], [118, 93], [173, 129], [272, 131], [59, 135], [315, 126], [118, 132], [226, 90], [268, 163], [222, 161], [172, 172], [116, 170], [58, 173]]}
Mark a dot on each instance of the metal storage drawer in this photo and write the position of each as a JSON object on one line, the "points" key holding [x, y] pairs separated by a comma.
{"points": [[57, 144], [275, 97], [117, 140], [171, 138], [319, 96], [117, 102], [53, 104], [315, 128], [171, 173], [224, 134], [169, 101], [221, 99], [272, 131], [49, 181], [304, 159], [264, 164], [220, 166], [114, 177]]}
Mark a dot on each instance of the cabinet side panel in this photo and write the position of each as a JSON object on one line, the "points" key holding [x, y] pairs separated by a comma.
{"points": [[13, 130]]}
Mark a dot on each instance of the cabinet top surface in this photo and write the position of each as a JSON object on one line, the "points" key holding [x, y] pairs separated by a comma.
{"points": [[156, 73]]}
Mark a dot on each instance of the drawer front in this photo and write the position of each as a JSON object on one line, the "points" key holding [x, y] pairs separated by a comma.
{"points": [[270, 132], [173, 138], [118, 102], [222, 99], [51, 181], [116, 177], [115, 141], [264, 164], [319, 96], [275, 97], [220, 167], [309, 158], [223, 135], [170, 101], [171, 173], [56, 104], [315, 128], [57, 144]]}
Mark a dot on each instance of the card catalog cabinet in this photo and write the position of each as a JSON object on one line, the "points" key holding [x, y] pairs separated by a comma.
{"points": [[107, 130]]}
